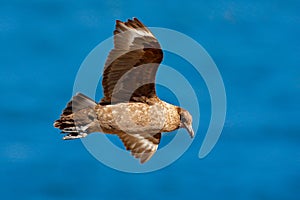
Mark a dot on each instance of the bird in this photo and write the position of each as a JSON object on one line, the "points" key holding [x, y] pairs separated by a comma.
{"points": [[130, 107]]}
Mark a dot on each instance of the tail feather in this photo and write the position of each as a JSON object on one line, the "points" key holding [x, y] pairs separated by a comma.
{"points": [[78, 118]]}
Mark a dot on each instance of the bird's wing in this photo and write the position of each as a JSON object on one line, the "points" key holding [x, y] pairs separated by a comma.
{"points": [[129, 73], [142, 146]]}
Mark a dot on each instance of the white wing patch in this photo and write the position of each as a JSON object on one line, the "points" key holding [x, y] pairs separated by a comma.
{"points": [[142, 146]]}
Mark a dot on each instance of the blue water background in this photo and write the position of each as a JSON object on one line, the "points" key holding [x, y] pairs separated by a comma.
{"points": [[256, 47]]}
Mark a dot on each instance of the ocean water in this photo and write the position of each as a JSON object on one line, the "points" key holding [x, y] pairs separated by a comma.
{"points": [[256, 47]]}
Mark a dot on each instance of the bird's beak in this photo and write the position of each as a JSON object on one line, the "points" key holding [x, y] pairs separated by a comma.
{"points": [[189, 128]]}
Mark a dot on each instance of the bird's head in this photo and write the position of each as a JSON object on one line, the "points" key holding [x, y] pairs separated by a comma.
{"points": [[186, 121]]}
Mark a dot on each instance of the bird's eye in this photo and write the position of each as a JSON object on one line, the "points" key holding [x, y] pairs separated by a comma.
{"points": [[182, 119]]}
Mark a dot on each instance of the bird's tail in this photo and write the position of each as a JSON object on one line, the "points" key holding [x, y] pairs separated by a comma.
{"points": [[78, 118]]}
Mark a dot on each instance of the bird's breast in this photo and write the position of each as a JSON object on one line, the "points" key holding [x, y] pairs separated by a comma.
{"points": [[135, 118]]}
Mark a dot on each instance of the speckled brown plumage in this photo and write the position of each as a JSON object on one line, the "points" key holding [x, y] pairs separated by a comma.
{"points": [[130, 107]]}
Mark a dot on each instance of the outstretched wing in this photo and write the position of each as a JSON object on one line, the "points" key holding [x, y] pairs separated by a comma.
{"points": [[142, 146], [129, 73]]}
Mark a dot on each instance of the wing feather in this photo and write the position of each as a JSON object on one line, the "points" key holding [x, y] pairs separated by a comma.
{"points": [[131, 66], [142, 146]]}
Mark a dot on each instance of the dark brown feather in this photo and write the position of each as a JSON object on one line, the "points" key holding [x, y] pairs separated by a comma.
{"points": [[139, 144], [130, 69]]}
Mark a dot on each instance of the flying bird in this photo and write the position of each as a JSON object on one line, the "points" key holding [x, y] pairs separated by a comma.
{"points": [[130, 107]]}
